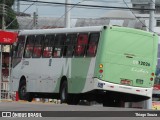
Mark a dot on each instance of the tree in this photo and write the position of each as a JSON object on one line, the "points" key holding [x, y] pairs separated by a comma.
{"points": [[9, 14]]}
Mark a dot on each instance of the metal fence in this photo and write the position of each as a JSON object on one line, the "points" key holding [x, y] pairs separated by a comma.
{"points": [[6, 94]]}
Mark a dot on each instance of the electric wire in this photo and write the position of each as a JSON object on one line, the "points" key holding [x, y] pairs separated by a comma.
{"points": [[136, 17], [20, 13], [67, 12], [78, 5], [95, 6]]}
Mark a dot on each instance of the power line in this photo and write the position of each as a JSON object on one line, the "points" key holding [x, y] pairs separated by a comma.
{"points": [[153, 1], [51, 5], [95, 6], [136, 16], [119, 2], [20, 13], [69, 10]]}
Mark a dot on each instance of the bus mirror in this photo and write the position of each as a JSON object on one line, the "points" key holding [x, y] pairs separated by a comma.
{"points": [[11, 52], [13, 49], [14, 44]]}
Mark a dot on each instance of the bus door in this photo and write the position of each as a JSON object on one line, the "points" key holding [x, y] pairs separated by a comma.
{"points": [[16, 62]]}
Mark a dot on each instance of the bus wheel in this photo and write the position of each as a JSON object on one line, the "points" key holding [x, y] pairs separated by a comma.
{"points": [[64, 92], [22, 91], [29, 97], [67, 98]]}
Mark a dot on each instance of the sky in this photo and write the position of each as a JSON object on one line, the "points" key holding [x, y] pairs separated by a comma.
{"points": [[48, 10]]}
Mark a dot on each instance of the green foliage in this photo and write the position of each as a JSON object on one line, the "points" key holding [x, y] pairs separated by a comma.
{"points": [[8, 2], [10, 15]]}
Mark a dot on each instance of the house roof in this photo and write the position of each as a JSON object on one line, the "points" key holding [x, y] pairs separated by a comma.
{"points": [[119, 14]]}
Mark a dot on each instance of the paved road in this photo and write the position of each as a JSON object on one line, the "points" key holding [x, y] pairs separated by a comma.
{"points": [[37, 107]]}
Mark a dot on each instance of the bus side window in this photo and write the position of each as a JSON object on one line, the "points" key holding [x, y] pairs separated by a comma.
{"points": [[70, 45], [37, 50], [20, 47], [58, 45], [48, 44], [81, 44], [29, 46], [93, 43]]}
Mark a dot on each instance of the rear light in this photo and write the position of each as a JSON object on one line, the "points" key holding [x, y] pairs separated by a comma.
{"points": [[100, 65], [101, 71], [152, 74], [151, 79]]}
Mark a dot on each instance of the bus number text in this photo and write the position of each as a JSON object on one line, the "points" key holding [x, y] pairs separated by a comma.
{"points": [[143, 63]]}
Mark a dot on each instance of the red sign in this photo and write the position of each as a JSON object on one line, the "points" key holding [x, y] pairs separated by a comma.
{"points": [[8, 37]]}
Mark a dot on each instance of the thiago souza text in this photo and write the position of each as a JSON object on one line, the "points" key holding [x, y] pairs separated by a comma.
{"points": [[146, 115]]}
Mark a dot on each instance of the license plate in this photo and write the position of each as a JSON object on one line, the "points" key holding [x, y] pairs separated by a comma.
{"points": [[139, 81], [126, 82]]}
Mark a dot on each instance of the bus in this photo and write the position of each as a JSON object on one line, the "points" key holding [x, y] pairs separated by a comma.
{"points": [[107, 64], [156, 87]]}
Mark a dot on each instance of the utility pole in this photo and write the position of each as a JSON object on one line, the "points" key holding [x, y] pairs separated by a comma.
{"points": [[35, 20], [3, 16], [152, 15], [18, 6], [148, 104], [67, 14]]}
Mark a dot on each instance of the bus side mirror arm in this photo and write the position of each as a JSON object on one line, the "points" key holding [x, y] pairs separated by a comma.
{"points": [[13, 49]]}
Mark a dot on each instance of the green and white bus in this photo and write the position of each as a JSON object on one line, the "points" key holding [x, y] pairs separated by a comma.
{"points": [[107, 64]]}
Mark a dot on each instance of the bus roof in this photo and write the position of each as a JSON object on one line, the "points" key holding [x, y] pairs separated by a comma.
{"points": [[61, 30], [80, 30]]}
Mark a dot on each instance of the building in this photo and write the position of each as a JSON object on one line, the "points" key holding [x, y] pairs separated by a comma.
{"points": [[144, 15], [144, 4], [114, 17]]}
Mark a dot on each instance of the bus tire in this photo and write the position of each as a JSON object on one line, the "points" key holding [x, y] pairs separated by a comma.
{"points": [[21, 90], [64, 92], [29, 97], [23, 95], [66, 97]]}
